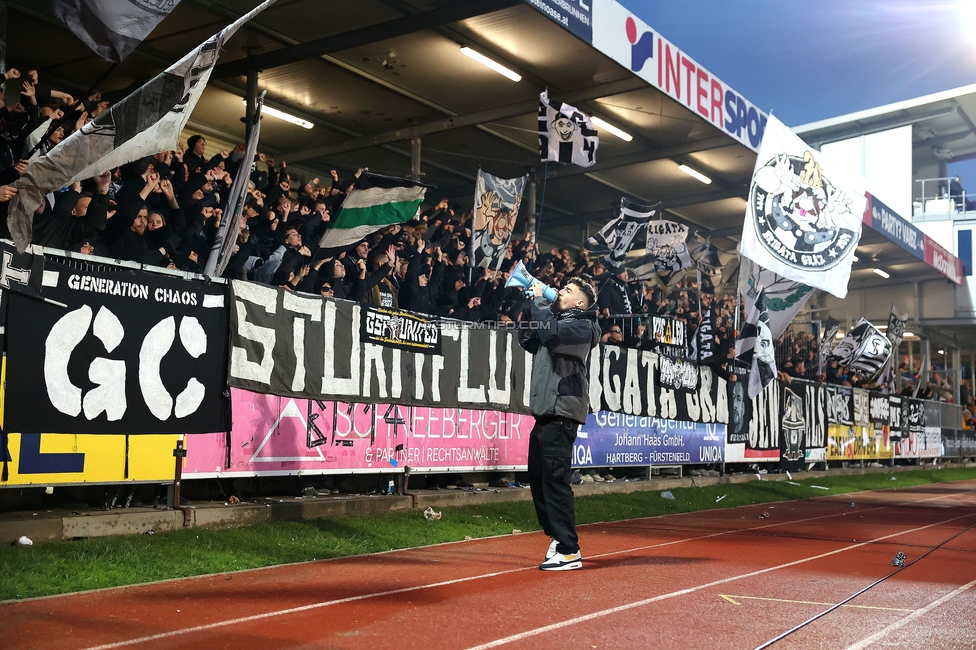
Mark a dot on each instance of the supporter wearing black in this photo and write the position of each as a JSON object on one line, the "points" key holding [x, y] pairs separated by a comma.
{"points": [[380, 291], [561, 341], [85, 220]]}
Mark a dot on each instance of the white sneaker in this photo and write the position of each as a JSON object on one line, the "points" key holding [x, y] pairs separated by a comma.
{"points": [[552, 549], [561, 562]]}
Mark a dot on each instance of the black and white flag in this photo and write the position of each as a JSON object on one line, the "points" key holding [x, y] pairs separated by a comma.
{"points": [[21, 272], [704, 341], [865, 349], [827, 338], [144, 123], [621, 234], [896, 327], [223, 246], [666, 253], [496, 209], [112, 28], [709, 266], [803, 217], [566, 135], [756, 341]]}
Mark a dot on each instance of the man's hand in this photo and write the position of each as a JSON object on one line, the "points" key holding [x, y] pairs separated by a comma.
{"points": [[474, 302], [103, 181], [334, 174], [225, 155], [537, 289], [305, 210], [304, 252], [391, 255], [21, 165], [7, 192], [12, 73]]}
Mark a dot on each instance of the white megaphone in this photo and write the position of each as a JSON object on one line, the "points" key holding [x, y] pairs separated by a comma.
{"points": [[520, 277]]}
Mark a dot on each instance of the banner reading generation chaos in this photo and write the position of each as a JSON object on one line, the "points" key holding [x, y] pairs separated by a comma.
{"points": [[117, 351], [318, 348]]}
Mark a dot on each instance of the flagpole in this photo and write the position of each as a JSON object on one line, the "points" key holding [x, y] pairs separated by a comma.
{"points": [[64, 118], [542, 206]]}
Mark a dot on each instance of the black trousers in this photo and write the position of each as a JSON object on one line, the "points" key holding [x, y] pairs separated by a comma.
{"points": [[550, 460]]}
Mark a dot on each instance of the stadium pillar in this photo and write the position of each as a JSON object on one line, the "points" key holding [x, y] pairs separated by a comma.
{"points": [[415, 158], [956, 374], [251, 99], [925, 353]]}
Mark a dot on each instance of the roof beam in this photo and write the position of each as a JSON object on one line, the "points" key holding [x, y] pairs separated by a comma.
{"points": [[644, 156], [358, 37], [459, 121], [669, 204]]}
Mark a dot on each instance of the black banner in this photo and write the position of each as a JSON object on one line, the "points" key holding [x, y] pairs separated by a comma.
{"points": [[840, 405], [671, 333], [402, 330], [311, 347], [896, 424], [629, 381], [677, 374], [880, 410], [913, 417], [131, 352]]}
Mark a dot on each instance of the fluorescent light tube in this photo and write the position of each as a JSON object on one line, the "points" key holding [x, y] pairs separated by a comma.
{"points": [[281, 115], [601, 124], [489, 63], [694, 173]]}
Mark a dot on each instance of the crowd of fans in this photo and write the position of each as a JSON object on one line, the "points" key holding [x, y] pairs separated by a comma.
{"points": [[165, 210]]}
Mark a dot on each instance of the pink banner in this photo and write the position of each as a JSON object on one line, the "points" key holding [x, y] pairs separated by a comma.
{"points": [[280, 435]]}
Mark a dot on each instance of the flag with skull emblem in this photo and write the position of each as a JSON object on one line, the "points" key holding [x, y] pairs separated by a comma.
{"points": [[803, 218], [756, 341], [566, 134]]}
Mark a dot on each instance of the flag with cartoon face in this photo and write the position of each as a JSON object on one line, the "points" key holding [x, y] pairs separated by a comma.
{"points": [[803, 216], [496, 209], [566, 134], [666, 254], [755, 344]]}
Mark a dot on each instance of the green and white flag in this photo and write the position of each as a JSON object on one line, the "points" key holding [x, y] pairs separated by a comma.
{"points": [[373, 203], [784, 297]]}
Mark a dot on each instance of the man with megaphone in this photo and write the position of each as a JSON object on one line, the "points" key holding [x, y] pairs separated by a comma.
{"points": [[560, 329]]}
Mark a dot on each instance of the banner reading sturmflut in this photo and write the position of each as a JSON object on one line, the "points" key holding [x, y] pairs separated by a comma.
{"points": [[133, 352], [312, 347]]}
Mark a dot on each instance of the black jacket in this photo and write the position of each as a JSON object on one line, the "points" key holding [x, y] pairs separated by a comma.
{"points": [[561, 344]]}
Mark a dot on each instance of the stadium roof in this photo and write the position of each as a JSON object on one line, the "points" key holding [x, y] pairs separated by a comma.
{"points": [[369, 75]]}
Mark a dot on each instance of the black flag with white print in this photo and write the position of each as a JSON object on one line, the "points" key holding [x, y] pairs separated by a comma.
{"points": [[755, 344]]}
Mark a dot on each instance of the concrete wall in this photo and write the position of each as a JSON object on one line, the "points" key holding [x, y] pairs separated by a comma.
{"points": [[885, 160]]}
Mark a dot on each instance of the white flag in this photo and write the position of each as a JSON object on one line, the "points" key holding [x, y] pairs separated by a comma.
{"points": [[144, 123], [803, 218], [566, 135]]}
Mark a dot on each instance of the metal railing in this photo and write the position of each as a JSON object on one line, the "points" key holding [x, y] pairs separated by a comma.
{"points": [[943, 197]]}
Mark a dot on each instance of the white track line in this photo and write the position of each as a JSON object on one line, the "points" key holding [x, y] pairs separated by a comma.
{"points": [[329, 603], [689, 590], [908, 619]]}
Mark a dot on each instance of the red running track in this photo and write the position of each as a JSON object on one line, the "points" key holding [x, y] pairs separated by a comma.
{"points": [[717, 579]]}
